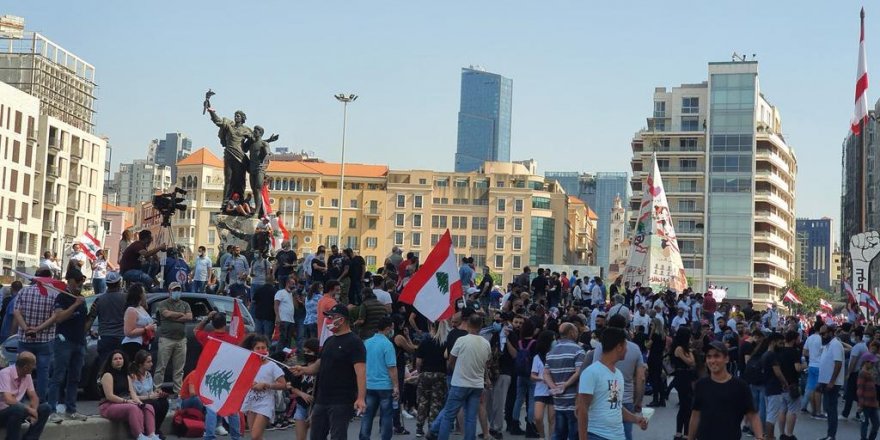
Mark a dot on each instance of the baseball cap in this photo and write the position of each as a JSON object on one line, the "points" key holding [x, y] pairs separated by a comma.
{"points": [[174, 286], [470, 308], [113, 278], [717, 345], [472, 290], [338, 309]]}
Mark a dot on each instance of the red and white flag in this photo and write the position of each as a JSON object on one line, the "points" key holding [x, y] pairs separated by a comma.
{"points": [[860, 113], [224, 375], [869, 301], [850, 293], [45, 284], [825, 304], [236, 324], [279, 232], [436, 286], [791, 297], [264, 199], [89, 244]]}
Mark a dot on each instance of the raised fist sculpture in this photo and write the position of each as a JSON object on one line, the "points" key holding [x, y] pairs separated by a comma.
{"points": [[865, 246]]}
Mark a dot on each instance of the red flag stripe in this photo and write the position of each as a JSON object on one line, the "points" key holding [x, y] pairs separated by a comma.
{"points": [[209, 351], [435, 259], [240, 388]]}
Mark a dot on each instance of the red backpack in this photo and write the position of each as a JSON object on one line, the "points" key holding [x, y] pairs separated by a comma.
{"points": [[188, 422]]}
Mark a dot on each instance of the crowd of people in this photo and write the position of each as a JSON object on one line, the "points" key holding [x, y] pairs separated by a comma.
{"points": [[548, 355]]}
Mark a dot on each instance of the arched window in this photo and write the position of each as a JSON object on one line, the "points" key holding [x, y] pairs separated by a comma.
{"points": [[269, 183], [284, 185], [195, 182], [312, 185], [295, 205]]}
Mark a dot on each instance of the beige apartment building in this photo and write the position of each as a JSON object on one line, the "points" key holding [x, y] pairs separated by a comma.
{"points": [[503, 216]]}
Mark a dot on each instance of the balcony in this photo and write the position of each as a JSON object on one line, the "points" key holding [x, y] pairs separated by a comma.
{"points": [[768, 257], [75, 178], [768, 217], [681, 170], [372, 211], [769, 237], [773, 178], [50, 199], [773, 158], [49, 226], [32, 135], [54, 145], [768, 196], [769, 278], [76, 153], [52, 171]]}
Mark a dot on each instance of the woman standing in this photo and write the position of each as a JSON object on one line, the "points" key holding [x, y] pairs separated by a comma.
{"points": [[543, 399], [123, 243], [120, 400], [431, 365], [138, 325], [143, 384], [402, 347], [99, 272], [311, 319], [259, 404], [683, 363], [656, 350], [525, 388]]}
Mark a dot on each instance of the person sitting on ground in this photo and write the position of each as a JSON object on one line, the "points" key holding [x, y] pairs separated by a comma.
{"points": [[142, 381], [121, 402], [15, 383]]}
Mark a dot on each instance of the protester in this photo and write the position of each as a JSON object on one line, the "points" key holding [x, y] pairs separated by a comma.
{"points": [[831, 375], [382, 381], [284, 312], [147, 391], [174, 314], [259, 404], [120, 401], [109, 311], [100, 267], [35, 317], [543, 398], [431, 365], [138, 325], [202, 267], [130, 265], [866, 391], [68, 347], [684, 375], [219, 331], [563, 368]]}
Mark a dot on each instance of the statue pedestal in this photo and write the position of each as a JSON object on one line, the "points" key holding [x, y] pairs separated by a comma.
{"points": [[236, 231]]}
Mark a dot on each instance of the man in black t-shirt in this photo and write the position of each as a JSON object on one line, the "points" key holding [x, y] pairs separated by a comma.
{"points": [[69, 345], [341, 377], [285, 263], [721, 401], [264, 309], [356, 267], [539, 285]]}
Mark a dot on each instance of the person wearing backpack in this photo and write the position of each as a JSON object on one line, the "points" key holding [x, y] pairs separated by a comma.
{"points": [[754, 374], [524, 355]]}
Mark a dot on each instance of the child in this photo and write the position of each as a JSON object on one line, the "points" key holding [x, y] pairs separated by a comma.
{"points": [[867, 393], [302, 390], [259, 404]]}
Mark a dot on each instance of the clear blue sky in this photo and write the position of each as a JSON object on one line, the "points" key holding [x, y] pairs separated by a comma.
{"points": [[583, 72]]}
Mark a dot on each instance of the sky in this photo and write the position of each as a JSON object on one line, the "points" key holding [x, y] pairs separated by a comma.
{"points": [[583, 72]]}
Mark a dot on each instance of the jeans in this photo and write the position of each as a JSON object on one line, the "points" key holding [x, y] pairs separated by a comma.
{"points": [[870, 416], [175, 351], [265, 327], [759, 400], [11, 418], [99, 285], [330, 419], [377, 400], [566, 426], [211, 425], [628, 426], [43, 352], [67, 366], [829, 403], [137, 276], [459, 397], [525, 393], [199, 286], [285, 334]]}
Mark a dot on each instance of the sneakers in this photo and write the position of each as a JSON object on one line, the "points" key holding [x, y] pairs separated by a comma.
{"points": [[496, 434], [56, 418], [76, 417], [406, 414], [220, 430], [420, 432], [401, 431]]}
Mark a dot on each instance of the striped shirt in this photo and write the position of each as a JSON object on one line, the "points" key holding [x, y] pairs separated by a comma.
{"points": [[563, 361], [35, 308]]}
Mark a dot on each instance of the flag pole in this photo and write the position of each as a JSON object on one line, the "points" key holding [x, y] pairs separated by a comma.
{"points": [[863, 148], [263, 356]]}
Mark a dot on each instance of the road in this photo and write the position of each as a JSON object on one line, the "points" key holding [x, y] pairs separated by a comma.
{"points": [[662, 427]]}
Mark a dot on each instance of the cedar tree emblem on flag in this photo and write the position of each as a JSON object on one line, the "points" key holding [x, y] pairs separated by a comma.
{"points": [[435, 287], [219, 381], [442, 282]]}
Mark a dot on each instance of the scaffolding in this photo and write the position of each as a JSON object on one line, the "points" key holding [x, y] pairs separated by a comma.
{"points": [[63, 82]]}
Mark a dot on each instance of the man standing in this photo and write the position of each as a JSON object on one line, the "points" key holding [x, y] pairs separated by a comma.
{"points": [[69, 346], [109, 310], [600, 411], [201, 271], [78, 259], [284, 313], [220, 331], [523, 280], [382, 386], [356, 267], [35, 316], [130, 263], [263, 309], [173, 314], [342, 365], [285, 263], [721, 401], [830, 377], [223, 263], [563, 368], [466, 274], [852, 372], [16, 383], [6, 311], [237, 267], [467, 360], [326, 303]]}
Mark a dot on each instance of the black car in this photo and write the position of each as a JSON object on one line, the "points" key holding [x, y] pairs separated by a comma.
{"points": [[201, 305]]}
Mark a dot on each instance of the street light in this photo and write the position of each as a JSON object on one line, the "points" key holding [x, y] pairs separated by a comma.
{"points": [[17, 221], [344, 99]]}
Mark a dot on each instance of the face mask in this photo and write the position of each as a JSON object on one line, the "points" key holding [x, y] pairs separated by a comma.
{"points": [[333, 326], [496, 326], [262, 352], [175, 295], [311, 358]]}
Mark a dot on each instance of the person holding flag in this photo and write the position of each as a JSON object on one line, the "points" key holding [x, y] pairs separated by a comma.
{"points": [[259, 404], [436, 287], [219, 332]]}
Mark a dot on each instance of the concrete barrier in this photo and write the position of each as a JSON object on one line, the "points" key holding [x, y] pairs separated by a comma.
{"points": [[95, 428]]}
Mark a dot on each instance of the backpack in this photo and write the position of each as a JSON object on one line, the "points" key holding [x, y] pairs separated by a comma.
{"points": [[188, 422], [754, 373], [523, 359]]}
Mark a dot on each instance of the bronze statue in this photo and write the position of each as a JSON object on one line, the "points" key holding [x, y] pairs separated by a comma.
{"points": [[232, 135], [258, 153]]}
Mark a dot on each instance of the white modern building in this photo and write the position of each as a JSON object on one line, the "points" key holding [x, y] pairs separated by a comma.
{"points": [[138, 181], [729, 177]]}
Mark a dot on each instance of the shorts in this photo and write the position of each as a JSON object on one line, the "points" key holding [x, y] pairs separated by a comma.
{"points": [[781, 404], [546, 400], [301, 413], [812, 377]]}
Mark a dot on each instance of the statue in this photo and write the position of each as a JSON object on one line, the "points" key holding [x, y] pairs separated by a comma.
{"points": [[258, 154], [232, 135]]}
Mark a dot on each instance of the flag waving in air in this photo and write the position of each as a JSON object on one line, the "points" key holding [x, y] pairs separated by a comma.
{"points": [[791, 297], [45, 284], [869, 301], [860, 113], [89, 244], [849, 292], [825, 304], [224, 374], [435, 287], [236, 324]]}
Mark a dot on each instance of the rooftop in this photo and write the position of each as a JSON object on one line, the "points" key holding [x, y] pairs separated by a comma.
{"points": [[202, 156]]}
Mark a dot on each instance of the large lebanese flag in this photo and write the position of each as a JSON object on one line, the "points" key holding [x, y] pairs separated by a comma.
{"points": [[89, 244], [224, 374], [435, 287], [791, 297], [860, 112]]}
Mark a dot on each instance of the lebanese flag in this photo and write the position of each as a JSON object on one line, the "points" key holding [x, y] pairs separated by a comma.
{"points": [[224, 375], [236, 324], [264, 195], [825, 304], [791, 297], [860, 113], [869, 301], [90, 245], [435, 287], [45, 284], [849, 292], [279, 232]]}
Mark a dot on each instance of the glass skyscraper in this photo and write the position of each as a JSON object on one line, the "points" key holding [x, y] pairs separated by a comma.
{"points": [[483, 119], [608, 186]]}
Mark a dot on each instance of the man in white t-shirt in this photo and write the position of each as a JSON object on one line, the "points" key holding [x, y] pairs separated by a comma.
{"points": [[813, 352], [467, 359], [830, 377], [679, 320], [201, 271], [383, 296], [641, 318], [600, 409], [284, 313]]}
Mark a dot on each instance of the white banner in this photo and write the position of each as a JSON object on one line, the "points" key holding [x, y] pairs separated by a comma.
{"points": [[863, 248]]}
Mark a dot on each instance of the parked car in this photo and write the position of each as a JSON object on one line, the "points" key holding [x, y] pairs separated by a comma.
{"points": [[201, 305]]}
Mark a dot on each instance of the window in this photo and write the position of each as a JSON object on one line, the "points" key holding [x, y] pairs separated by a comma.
{"points": [[417, 220], [690, 105], [731, 185], [663, 164], [461, 183], [352, 223], [441, 183], [371, 224], [659, 125], [308, 222], [499, 184], [334, 221], [478, 241], [690, 123], [398, 238], [686, 226], [499, 243], [662, 145], [334, 203], [438, 221], [517, 224], [518, 205], [482, 183], [686, 246], [499, 261], [687, 206], [687, 164], [499, 223], [732, 163], [517, 243], [459, 222], [372, 243], [398, 219], [461, 201], [423, 181], [401, 200], [687, 185], [212, 235], [374, 207], [416, 239], [659, 109], [479, 260], [502, 205], [417, 202], [459, 241], [517, 262], [434, 239], [371, 260], [480, 202], [541, 202], [687, 144], [479, 223], [351, 242], [441, 201]]}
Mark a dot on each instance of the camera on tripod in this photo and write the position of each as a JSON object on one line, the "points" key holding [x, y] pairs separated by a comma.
{"points": [[169, 203]]}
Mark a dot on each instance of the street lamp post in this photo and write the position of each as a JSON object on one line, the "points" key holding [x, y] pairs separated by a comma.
{"points": [[344, 99], [17, 221]]}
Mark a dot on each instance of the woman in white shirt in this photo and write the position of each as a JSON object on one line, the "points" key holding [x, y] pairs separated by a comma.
{"points": [[543, 397], [99, 272]]}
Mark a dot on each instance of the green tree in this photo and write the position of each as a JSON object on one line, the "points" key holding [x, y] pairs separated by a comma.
{"points": [[810, 296]]}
